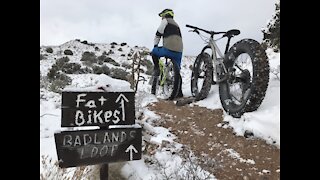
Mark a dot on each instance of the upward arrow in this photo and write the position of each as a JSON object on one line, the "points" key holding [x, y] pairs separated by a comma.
{"points": [[131, 148], [122, 98]]}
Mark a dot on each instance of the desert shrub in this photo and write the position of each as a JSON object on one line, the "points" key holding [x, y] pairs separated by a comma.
{"points": [[114, 63], [103, 58], [85, 70], [146, 63], [144, 53], [42, 57], [56, 77], [84, 42], [108, 60], [113, 43], [118, 73], [127, 66], [123, 44], [58, 80], [123, 55], [71, 68], [149, 66], [97, 70], [100, 62], [96, 48], [89, 57], [58, 84], [149, 72], [68, 52], [101, 70], [87, 63], [62, 61], [51, 170], [120, 49], [53, 72], [49, 50]]}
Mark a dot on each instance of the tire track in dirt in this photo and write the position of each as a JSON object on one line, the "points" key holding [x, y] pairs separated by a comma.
{"points": [[220, 151]]}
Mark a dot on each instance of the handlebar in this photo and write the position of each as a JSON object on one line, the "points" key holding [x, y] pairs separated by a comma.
{"points": [[189, 26], [206, 31]]}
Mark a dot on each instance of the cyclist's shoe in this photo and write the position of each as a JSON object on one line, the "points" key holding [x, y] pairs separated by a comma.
{"points": [[153, 91], [179, 95]]}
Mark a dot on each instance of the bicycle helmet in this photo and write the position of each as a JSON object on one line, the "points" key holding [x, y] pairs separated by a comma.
{"points": [[166, 13]]}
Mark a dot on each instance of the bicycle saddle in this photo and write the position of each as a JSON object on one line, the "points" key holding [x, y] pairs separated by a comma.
{"points": [[231, 33]]}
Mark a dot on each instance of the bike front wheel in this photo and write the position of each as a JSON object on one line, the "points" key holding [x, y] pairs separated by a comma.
{"points": [[201, 77], [168, 84], [248, 69]]}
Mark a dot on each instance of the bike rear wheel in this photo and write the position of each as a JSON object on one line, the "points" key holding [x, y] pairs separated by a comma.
{"points": [[201, 77], [248, 68], [168, 84]]}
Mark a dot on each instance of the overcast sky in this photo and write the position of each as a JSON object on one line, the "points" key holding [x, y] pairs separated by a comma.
{"points": [[136, 21]]}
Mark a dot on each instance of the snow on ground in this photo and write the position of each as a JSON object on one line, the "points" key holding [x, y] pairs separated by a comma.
{"points": [[264, 123], [94, 82]]}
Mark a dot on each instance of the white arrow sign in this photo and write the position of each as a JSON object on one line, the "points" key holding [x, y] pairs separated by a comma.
{"points": [[131, 148], [122, 98]]}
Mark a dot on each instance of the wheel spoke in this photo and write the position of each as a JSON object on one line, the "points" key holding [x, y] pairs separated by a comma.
{"points": [[239, 67], [234, 97]]}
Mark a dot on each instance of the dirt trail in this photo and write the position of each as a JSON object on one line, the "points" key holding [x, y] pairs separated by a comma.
{"points": [[222, 153]]}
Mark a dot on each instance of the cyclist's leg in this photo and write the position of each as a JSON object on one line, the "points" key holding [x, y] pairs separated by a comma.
{"points": [[178, 60], [180, 94], [177, 56], [156, 53]]}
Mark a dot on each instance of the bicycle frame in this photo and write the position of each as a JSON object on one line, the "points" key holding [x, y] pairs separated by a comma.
{"points": [[162, 73], [163, 70], [217, 62]]}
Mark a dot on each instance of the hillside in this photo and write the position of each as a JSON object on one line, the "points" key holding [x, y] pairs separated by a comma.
{"points": [[175, 140]]}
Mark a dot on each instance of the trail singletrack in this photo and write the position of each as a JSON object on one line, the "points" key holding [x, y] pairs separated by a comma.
{"points": [[221, 152]]}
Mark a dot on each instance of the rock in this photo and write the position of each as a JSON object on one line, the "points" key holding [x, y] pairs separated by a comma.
{"points": [[248, 134]]}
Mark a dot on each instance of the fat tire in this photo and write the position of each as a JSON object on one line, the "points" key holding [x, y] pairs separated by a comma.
{"points": [[260, 77], [206, 86]]}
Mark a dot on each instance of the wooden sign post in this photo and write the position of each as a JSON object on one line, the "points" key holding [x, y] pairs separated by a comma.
{"points": [[98, 146]]}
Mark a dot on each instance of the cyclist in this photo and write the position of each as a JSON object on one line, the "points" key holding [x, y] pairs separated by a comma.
{"points": [[172, 44]]}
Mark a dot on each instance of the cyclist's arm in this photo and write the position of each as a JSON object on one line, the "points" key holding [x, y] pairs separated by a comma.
{"points": [[160, 31]]}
